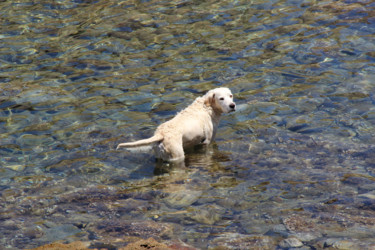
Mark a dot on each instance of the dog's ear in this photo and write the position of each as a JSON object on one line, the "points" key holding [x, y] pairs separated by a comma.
{"points": [[210, 100]]}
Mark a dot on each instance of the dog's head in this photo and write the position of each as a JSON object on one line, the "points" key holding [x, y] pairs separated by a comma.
{"points": [[221, 100]]}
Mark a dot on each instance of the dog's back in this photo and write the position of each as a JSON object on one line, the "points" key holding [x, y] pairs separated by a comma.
{"points": [[194, 125]]}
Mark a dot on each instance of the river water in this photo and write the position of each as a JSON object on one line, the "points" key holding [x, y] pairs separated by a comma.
{"points": [[292, 167]]}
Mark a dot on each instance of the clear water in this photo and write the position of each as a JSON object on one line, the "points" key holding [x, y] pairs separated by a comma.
{"points": [[295, 160]]}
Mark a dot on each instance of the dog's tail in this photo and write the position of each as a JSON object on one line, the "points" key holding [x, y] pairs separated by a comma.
{"points": [[141, 143]]}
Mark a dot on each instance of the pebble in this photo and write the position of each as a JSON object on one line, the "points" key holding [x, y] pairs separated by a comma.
{"points": [[28, 140], [149, 243], [335, 243], [17, 168], [208, 217], [370, 195], [241, 241], [70, 93], [59, 246], [59, 232], [290, 242], [183, 199]]}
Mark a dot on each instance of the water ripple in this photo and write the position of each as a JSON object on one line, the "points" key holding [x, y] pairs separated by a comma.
{"points": [[77, 77]]}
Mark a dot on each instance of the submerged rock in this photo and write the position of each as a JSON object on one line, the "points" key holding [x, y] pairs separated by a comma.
{"points": [[59, 232], [77, 245], [301, 227], [241, 241], [290, 242], [294, 162], [17, 168], [182, 199], [344, 244], [144, 229], [150, 243], [206, 216], [140, 244]]}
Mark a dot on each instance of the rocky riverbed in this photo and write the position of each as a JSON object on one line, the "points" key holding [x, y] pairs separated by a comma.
{"points": [[292, 168]]}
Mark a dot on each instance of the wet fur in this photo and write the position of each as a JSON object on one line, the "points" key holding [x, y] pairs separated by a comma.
{"points": [[197, 124]]}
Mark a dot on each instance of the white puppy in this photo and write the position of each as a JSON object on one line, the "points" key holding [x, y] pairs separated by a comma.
{"points": [[197, 124]]}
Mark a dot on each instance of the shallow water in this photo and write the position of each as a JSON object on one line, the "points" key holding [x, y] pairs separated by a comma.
{"points": [[294, 161]]}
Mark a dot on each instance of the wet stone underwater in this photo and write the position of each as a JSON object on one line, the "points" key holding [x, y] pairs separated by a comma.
{"points": [[293, 167]]}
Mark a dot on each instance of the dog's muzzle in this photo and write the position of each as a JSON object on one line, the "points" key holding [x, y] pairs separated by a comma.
{"points": [[232, 107]]}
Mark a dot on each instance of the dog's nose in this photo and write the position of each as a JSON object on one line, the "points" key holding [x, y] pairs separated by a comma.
{"points": [[232, 106]]}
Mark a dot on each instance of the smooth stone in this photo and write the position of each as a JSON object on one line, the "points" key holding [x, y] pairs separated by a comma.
{"points": [[59, 246], [241, 241], [17, 168], [35, 140], [149, 243], [208, 217], [290, 242], [338, 244], [183, 199], [369, 195], [60, 232]]}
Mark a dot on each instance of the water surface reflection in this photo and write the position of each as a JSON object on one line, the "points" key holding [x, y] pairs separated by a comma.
{"points": [[291, 168]]}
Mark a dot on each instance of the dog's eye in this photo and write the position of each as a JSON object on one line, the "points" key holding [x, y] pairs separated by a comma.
{"points": [[222, 99], [231, 96]]}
